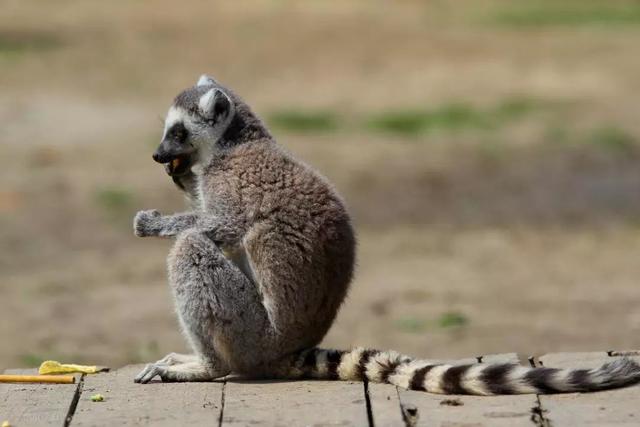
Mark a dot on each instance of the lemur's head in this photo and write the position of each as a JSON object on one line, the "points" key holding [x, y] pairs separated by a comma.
{"points": [[196, 121]]}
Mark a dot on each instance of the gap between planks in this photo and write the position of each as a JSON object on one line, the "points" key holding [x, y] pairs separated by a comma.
{"points": [[74, 402]]}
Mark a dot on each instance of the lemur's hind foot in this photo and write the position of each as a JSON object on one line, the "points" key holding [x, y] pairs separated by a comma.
{"points": [[193, 371]]}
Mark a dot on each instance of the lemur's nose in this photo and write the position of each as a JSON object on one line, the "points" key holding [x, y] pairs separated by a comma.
{"points": [[156, 156]]}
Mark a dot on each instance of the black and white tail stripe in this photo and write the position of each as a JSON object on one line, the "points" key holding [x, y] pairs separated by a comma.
{"points": [[476, 379]]}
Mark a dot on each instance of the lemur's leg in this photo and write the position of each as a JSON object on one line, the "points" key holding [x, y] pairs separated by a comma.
{"points": [[220, 310], [177, 358]]}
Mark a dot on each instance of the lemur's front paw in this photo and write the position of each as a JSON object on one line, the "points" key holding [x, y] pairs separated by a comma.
{"points": [[145, 224]]}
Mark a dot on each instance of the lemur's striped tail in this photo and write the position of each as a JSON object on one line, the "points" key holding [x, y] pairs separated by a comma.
{"points": [[478, 379]]}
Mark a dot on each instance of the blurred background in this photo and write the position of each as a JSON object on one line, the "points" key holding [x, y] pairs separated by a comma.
{"points": [[488, 150]]}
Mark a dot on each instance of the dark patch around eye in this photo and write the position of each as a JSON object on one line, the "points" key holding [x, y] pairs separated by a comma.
{"points": [[221, 107], [178, 133]]}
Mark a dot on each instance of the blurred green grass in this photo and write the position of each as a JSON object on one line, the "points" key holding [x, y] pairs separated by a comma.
{"points": [[411, 325], [447, 320], [452, 319], [117, 204], [607, 137], [31, 359], [409, 122], [304, 121], [569, 13], [611, 138], [114, 199], [457, 116], [450, 117], [17, 43]]}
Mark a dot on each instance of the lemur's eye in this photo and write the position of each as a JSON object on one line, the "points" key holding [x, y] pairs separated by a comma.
{"points": [[179, 133]]}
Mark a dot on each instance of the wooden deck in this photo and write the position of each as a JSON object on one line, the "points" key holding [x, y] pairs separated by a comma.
{"points": [[235, 402]]}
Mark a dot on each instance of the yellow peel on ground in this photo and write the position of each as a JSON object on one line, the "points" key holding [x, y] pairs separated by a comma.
{"points": [[53, 367], [6, 424]]}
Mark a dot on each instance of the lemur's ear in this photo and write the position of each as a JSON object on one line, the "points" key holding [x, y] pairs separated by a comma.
{"points": [[214, 103], [205, 80]]}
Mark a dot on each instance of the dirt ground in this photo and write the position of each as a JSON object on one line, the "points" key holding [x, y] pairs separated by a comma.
{"points": [[488, 150]]}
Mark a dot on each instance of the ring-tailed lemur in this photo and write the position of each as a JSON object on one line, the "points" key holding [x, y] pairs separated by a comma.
{"points": [[263, 262]]}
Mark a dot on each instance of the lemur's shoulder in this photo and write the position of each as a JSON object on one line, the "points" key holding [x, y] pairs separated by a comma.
{"points": [[264, 174], [267, 165]]}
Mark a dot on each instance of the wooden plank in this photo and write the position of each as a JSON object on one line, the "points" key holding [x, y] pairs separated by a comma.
{"points": [[619, 407], [156, 403], [451, 411], [294, 403], [425, 409], [35, 404], [385, 405]]}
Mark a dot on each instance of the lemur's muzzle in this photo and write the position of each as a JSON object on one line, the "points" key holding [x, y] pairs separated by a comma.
{"points": [[162, 154], [176, 161]]}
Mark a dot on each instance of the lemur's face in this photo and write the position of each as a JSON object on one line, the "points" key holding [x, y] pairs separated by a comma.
{"points": [[195, 122]]}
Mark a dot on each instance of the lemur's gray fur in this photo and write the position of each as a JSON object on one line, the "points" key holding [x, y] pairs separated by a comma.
{"points": [[262, 263]]}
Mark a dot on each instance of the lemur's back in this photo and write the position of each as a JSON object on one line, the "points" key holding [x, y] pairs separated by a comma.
{"points": [[299, 240]]}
